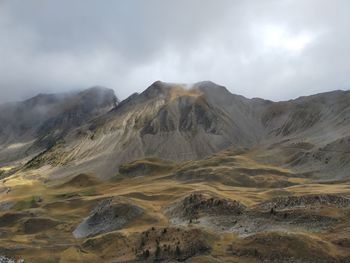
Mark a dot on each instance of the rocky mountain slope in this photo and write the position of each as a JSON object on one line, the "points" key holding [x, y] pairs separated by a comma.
{"points": [[35, 125], [177, 122]]}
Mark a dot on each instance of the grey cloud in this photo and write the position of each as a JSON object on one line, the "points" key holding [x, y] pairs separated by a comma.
{"points": [[255, 48]]}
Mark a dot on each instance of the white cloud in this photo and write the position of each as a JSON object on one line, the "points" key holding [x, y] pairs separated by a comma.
{"points": [[278, 37]]}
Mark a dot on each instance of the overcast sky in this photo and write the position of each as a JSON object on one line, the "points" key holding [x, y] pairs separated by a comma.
{"points": [[276, 50]]}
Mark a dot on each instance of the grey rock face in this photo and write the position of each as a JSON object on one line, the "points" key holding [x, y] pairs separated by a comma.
{"points": [[110, 214]]}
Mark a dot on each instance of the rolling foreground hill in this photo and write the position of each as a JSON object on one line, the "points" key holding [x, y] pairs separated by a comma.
{"points": [[175, 173]]}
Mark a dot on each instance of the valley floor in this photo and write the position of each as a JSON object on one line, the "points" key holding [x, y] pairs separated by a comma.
{"points": [[237, 210]]}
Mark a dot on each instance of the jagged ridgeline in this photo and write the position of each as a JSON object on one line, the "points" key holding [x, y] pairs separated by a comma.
{"points": [[90, 131]]}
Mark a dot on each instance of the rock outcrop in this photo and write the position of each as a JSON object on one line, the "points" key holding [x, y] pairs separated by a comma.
{"points": [[110, 214]]}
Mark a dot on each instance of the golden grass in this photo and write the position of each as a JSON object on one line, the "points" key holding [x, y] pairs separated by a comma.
{"points": [[153, 193]]}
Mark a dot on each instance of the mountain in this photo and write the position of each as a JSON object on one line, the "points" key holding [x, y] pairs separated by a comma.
{"points": [[166, 120], [305, 134], [34, 125], [89, 132], [177, 173]]}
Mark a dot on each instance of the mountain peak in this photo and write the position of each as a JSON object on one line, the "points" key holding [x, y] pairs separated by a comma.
{"points": [[173, 90], [158, 88], [210, 87], [98, 95]]}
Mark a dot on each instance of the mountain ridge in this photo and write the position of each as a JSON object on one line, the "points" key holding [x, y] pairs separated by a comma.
{"points": [[36, 123], [189, 122]]}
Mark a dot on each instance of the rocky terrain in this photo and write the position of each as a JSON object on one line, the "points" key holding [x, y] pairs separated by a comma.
{"points": [[198, 207], [306, 201], [306, 212], [175, 174], [9, 260], [110, 214], [31, 127], [171, 243]]}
